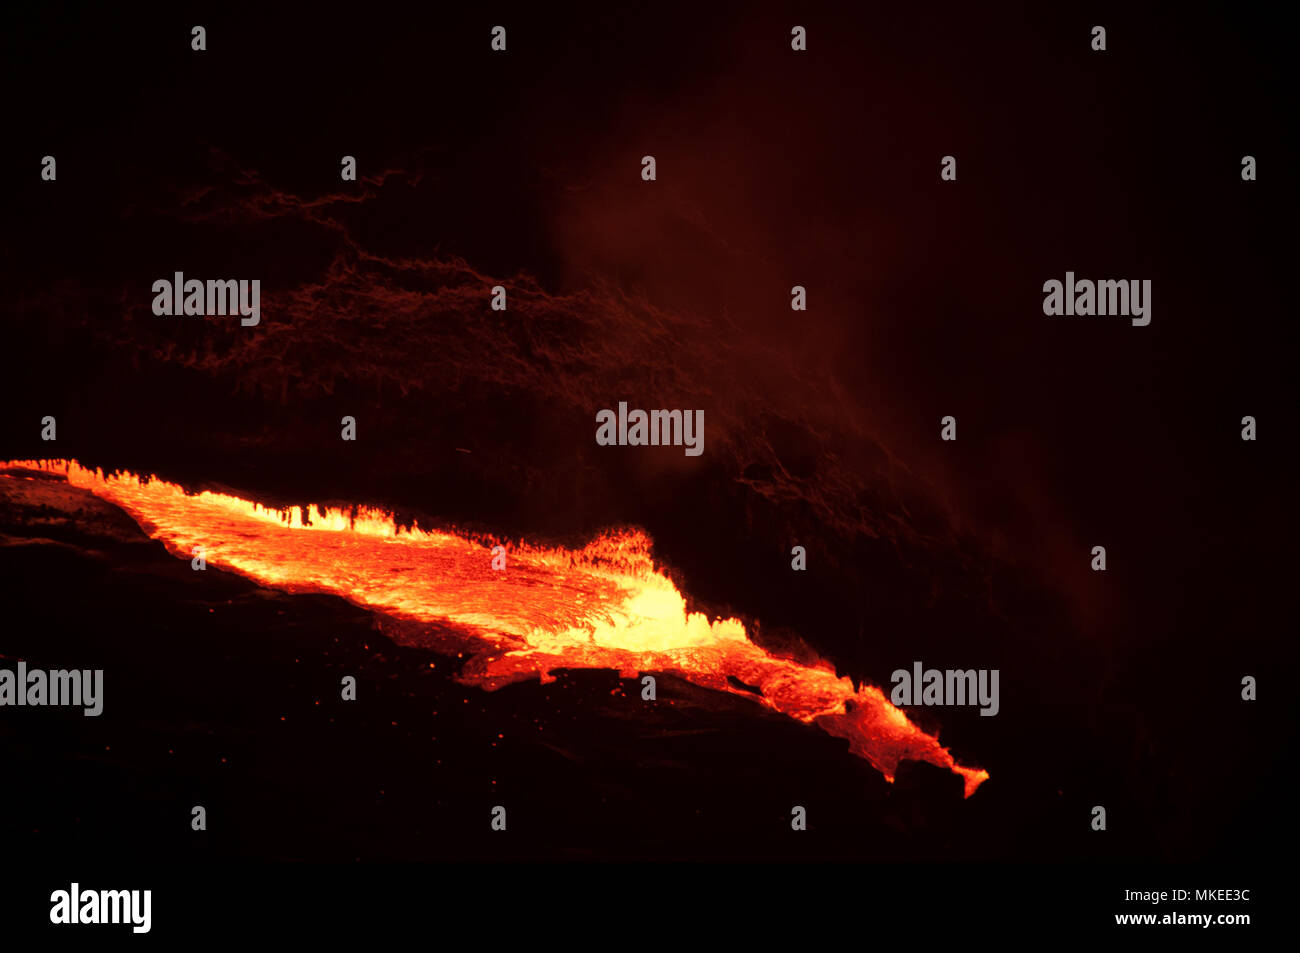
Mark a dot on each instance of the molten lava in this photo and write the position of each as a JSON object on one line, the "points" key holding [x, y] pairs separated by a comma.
{"points": [[604, 606]]}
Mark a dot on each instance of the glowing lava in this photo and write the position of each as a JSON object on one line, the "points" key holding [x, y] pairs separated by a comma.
{"points": [[604, 606]]}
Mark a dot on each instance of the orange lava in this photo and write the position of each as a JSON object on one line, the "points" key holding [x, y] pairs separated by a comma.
{"points": [[604, 606]]}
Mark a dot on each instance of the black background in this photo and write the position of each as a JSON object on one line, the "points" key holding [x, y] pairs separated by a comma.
{"points": [[774, 168]]}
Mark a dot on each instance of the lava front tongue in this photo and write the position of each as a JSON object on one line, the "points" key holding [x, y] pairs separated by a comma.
{"points": [[602, 606]]}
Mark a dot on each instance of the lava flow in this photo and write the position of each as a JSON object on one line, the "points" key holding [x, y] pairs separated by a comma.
{"points": [[604, 606]]}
